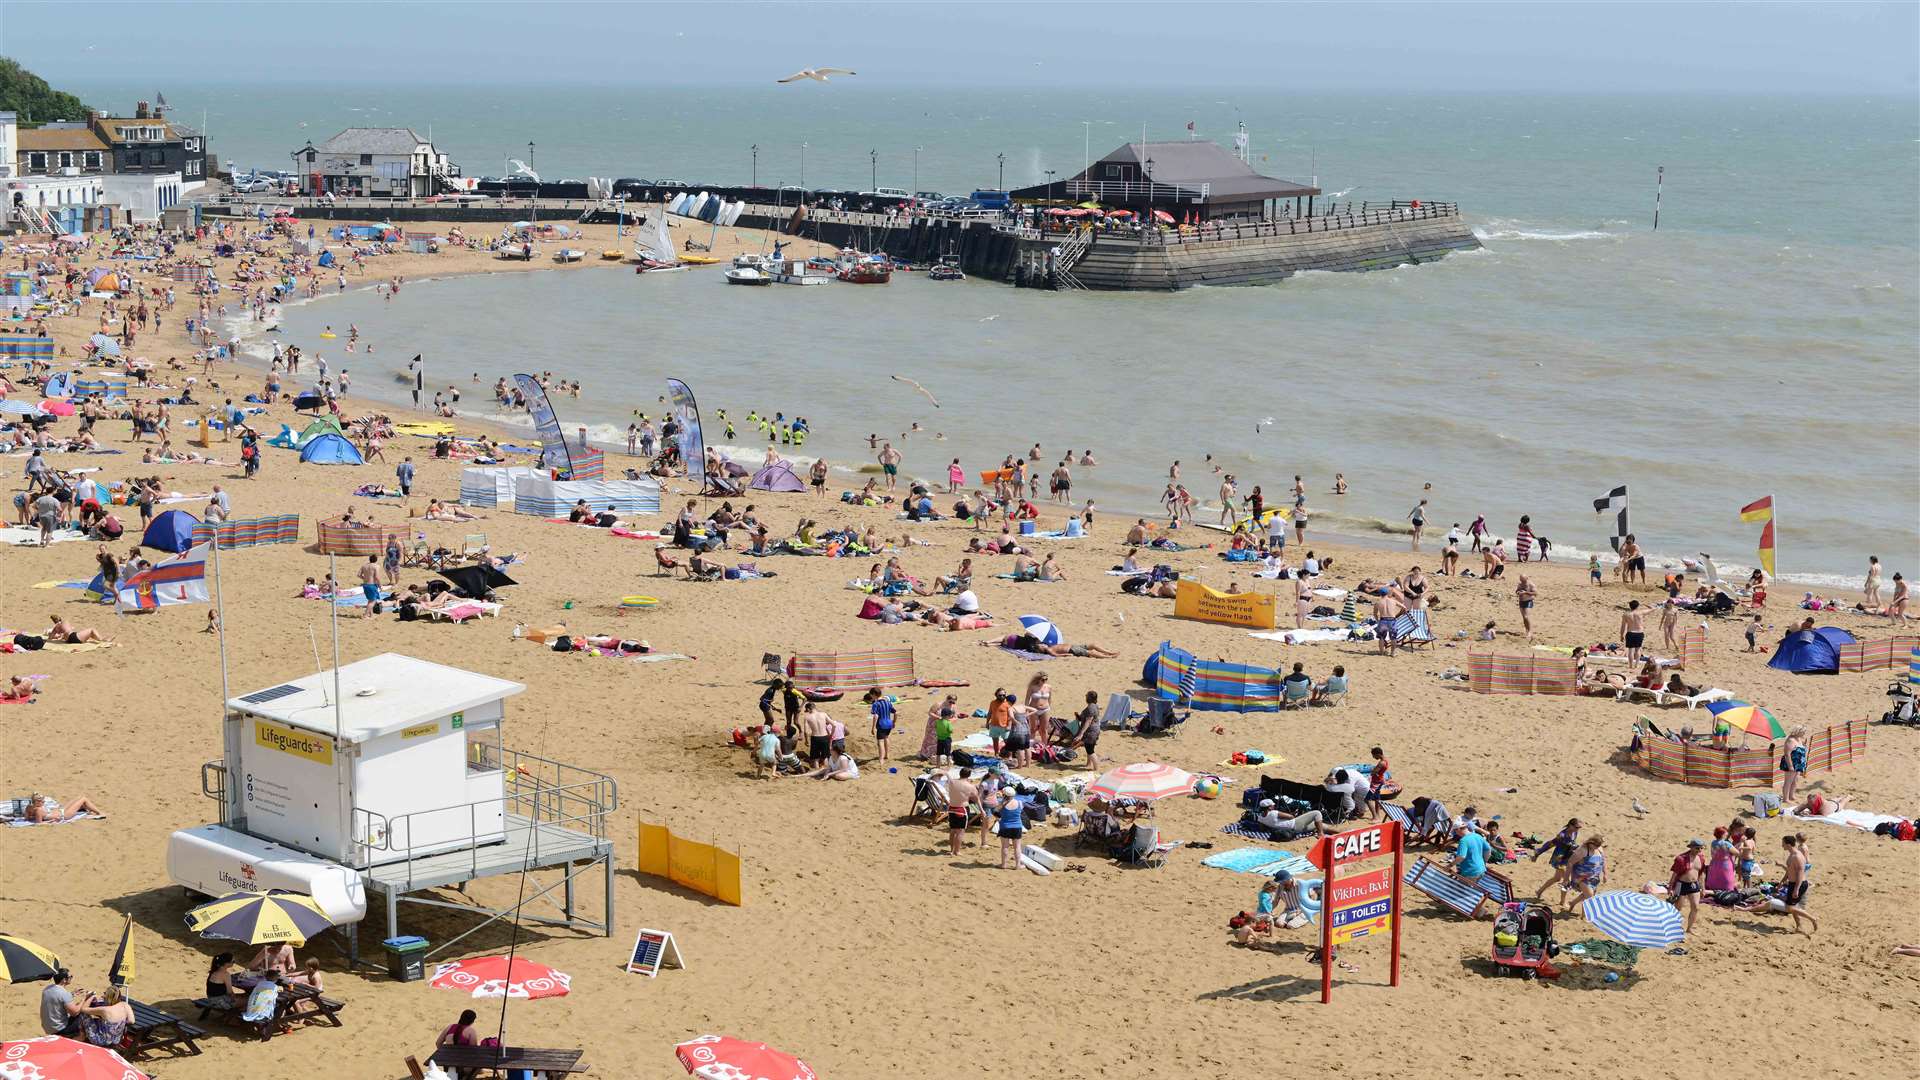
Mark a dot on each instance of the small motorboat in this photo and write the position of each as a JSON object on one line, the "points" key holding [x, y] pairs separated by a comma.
{"points": [[569, 255], [947, 269], [797, 272], [748, 275], [871, 271]]}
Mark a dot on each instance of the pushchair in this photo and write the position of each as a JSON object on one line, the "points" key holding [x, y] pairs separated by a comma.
{"points": [[1905, 701], [1523, 938]]}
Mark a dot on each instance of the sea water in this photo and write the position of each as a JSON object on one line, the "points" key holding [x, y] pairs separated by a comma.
{"points": [[1765, 340]]}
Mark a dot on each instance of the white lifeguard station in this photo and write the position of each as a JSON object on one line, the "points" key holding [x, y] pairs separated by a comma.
{"points": [[388, 776]]}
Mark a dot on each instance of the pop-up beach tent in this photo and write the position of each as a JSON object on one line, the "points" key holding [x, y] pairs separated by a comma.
{"points": [[1810, 652], [778, 476], [329, 449], [170, 531]]}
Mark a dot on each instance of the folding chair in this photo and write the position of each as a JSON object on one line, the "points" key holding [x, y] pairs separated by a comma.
{"points": [[1450, 891], [476, 544], [664, 564], [1294, 695], [1119, 710]]}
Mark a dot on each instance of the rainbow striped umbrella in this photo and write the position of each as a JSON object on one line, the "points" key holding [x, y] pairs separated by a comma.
{"points": [[1749, 718]]}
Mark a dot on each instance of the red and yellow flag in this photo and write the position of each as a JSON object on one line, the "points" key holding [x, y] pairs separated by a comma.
{"points": [[1762, 510]]}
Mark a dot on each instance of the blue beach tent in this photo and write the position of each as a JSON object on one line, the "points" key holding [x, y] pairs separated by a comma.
{"points": [[1810, 652], [329, 449], [170, 531]]}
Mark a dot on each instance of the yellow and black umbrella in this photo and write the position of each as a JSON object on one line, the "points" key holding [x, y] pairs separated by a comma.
{"points": [[260, 918], [23, 961], [123, 969]]}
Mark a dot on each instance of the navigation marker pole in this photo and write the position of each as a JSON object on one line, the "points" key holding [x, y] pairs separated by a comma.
{"points": [[1659, 181]]}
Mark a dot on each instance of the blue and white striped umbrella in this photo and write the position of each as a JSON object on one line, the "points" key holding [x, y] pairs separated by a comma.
{"points": [[1041, 629], [18, 408], [1635, 919]]}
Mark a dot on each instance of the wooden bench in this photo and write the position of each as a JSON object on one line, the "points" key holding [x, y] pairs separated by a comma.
{"points": [[153, 1030], [499, 1059], [285, 1014]]}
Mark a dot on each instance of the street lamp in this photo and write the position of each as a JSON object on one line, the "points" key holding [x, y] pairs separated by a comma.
{"points": [[1002, 158], [535, 200], [916, 174], [803, 167], [1051, 173], [756, 163], [873, 169]]}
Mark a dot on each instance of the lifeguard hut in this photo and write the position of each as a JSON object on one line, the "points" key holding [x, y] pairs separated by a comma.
{"points": [[387, 776]]}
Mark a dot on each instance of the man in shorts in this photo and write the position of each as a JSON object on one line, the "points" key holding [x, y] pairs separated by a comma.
{"points": [[890, 465], [370, 584], [817, 726], [963, 795]]}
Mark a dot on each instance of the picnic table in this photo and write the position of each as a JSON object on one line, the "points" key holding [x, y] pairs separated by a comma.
{"points": [[153, 1030], [501, 1058], [297, 1003]]}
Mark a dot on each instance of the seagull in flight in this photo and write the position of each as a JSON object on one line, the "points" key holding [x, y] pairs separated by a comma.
{"points": [[816, 74], [917, 386]]}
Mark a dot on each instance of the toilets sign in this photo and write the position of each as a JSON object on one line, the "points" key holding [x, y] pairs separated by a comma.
{"points": [[1358, 901]]}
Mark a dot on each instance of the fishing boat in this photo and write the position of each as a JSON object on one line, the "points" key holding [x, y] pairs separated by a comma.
{"points": [[868, 270], [947, 269]]}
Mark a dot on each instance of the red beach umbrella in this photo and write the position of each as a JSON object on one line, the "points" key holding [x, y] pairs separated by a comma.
{"points": [[490, 976], [57, 406], [51, 1057], [722, 1057], [1163, 217]]}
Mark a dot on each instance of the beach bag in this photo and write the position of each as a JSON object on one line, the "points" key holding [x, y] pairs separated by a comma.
{"points": [[1135, 585], [29, 642]]}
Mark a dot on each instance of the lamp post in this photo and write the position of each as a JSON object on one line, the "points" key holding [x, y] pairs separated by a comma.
{"points": [[803, 169], [1002, 159], [535, 200], [873, 169], [1051, 173], [916, 174], [756, 163], [1086, 145]]}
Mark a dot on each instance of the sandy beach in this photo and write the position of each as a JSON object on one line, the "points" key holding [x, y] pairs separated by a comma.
{"points": [[862, 945]]}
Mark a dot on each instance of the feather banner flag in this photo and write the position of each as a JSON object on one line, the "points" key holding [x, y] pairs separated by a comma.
{"points": [[1615, 501], [1762, 510]]}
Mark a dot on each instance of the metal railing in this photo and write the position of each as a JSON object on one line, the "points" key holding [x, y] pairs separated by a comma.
{"points": [[1127, 191], [542, 793]]}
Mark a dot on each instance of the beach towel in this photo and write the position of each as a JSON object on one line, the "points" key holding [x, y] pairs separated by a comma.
{"points": [[1258, 861], [640, 658], [1309, 636], [90, 646], [1852, 819], [24, 537], [1025, 655], [22, 823]]}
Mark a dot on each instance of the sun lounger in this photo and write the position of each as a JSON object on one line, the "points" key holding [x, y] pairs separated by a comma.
{"points": [[1668, 697], [461, 611], [1452, 892]]}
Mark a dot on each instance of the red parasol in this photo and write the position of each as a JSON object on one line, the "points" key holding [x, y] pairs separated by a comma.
{"points": [[489, 976], [722, 1057], [51, 1057], [1163, 217]]}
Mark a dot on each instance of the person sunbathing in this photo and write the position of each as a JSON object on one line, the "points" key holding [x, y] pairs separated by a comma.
{"points": [[63, 632], [699, 566], [438, 511], [1025, 569], [1050, 569], [19, 688], [1032, 644], [42, 810], [1821, 805]]}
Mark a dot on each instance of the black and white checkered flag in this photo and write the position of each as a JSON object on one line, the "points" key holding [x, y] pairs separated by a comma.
{"points": [[1616, 501]]}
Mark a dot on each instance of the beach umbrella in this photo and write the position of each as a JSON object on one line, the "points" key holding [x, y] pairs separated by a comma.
{"points": [[722, 1057], [1041, 629], [51, 1057], [1146, 781], [494, 976], [1751, 719], [23, 961], [105, 345], [57, 408], [125, 965], [1163, 217], [11, 407], [1635, 918], [259, 918]]}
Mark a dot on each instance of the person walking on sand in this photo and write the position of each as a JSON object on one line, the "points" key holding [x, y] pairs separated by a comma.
{"points": [[1011, 811], [370, 584], [1525, 594], [1562, 845], [1793, 764], [1227, 491], [1632, 632], [1872, 586], [1670, 625], [1588, 873], [890, 465], [881, 708], [1417, 517], [1798, 866], [1478, 532], [1686, 880], [403, 472]]}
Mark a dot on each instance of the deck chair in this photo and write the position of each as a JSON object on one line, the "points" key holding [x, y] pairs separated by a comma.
{"points": [[1146, 849], [1333, 697], [1411, 630], [1450, 891], [1119, 710], [476, 544], [418, 554], [1399, 814], [1294, 695], [1497, 886]]}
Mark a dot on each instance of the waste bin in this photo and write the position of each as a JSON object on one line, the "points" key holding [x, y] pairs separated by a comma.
{"points": [[406, 957]]}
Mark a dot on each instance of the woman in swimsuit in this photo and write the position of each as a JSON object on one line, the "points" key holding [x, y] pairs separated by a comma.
{"points": [[1683, 886], [1524, 594], [63, 632], [1793, 764], [1040, 700]]}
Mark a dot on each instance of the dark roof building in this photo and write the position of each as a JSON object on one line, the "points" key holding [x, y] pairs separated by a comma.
{"points": [[1179, 177]]}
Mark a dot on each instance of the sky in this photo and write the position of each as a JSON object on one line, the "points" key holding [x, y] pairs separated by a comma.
{"points": [[1824, 48]]}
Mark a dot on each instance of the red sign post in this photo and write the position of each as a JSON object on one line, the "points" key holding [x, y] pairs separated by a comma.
{"points": [[1364, 902]]}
